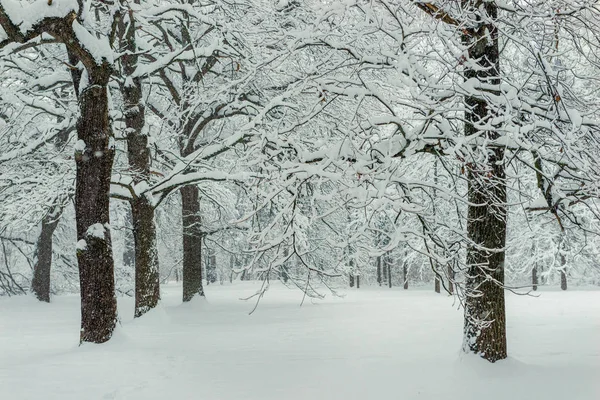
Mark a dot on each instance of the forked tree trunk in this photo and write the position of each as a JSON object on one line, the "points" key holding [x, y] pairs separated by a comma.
{"points": [[485, 320], [40, 284], [94, 159], [147, 282], [192, 243]]}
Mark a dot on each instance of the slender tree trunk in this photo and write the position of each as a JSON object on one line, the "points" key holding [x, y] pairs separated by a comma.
{"points": [[379, 279], [358, 281], [389, 273], [351, 279], [192, 243], [534, 278], [94, 159], [405, 275], [485, 320], [40, 284], [450, 279], [128, 241], [147, 282]]}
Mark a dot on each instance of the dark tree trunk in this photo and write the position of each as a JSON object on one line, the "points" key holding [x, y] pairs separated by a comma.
{"points": [[405, 276], [92, 196], [563, 272], [192, 243], [358, 281], [379, 279], [147, 282], [485, 320], [351, 277], [437, 284], [40, 284], [534, 278], [450, 279], [128, 241], [389, 273]]}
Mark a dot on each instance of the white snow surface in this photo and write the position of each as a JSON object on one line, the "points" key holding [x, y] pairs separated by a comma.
{"points": [[372, 344]]}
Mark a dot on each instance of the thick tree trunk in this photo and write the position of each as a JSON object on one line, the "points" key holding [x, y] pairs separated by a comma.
{"points": [[94, 158], [485, 320], [40, 284], [436, 285], [192, 243], [147, 282]]}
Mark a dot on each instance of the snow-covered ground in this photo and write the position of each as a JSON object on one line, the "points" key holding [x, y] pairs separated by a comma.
{"points": [[372, 344]]}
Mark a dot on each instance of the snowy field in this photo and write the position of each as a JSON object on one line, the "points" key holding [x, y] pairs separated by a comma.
{"points": [[372, 344]]}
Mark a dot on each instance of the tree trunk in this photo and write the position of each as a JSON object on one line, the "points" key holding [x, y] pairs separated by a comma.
{"points": [[40, 284], [379, 279], [147, 282], [405, 275], [450, 279], [192, 243], [563, 272], [358, 281], [94, 159], [389, 273], [485, 320], [128, 241], [534, 278], [351, 277], [437, 284]]}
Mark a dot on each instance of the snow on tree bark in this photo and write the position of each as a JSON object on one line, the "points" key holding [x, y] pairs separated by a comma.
{"points": [[192, 239], [147, 283], [485, 320]]}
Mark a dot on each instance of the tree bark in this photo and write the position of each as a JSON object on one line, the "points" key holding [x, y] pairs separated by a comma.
{"points": [[351, 280], [92, 196], [40, 284], [437, 284], [534, 278], [192, 243], [389, 272], [405, 276], [379, 279], [563, 272], [485, 320], [450, 279], [147, 282]]}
